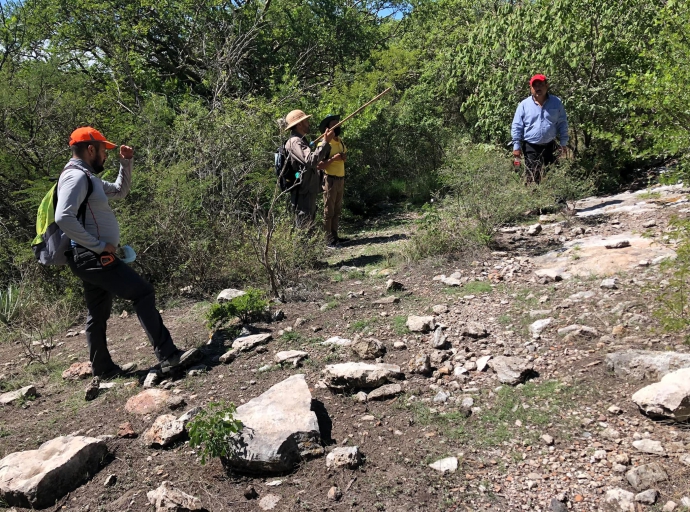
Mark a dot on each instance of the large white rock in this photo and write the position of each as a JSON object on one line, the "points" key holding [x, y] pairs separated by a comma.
{"points": [[167, 498], [344, 457], [247, 343], [290, 356], [646, 364], [13, 396], [537, 327], [620, 500], [279, 429], [668, 398], [229, 294], [36, 478], [510, 370], [447, 465], [360, 375], [420, 323]]}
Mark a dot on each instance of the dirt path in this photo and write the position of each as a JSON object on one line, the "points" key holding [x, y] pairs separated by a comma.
{"points": [[553, 443]]}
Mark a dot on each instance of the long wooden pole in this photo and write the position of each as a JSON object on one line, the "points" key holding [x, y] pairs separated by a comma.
{"points": [[357, 111]]}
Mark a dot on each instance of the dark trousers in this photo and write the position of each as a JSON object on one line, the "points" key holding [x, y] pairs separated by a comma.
{"points": [[305, 210], [537, 158], [101, 284]]}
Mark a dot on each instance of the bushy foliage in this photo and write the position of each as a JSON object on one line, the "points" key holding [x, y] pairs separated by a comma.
{"points": [[213, 429], [247, 308]]}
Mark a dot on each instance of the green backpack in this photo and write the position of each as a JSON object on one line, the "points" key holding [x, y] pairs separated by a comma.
{"points": [[51, 242]]}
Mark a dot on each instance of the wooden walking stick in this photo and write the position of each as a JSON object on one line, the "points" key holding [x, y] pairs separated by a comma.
{"points": [[357, 111]]}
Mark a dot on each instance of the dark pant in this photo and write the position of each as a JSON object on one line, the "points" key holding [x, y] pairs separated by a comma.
{"points": [[537, 158], [305, 211], [101, 284]]}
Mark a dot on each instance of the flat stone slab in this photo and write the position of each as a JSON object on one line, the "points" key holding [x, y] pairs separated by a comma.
{"points": [[646, 364], [247, 343], [669, 398], [148, 401], [391, 299], [384, 392], [13, 396], [290, 356], [167, 498], [279, 429], [229, 294], [589, 256], [37, 478], [360, 375], [337, 341]]}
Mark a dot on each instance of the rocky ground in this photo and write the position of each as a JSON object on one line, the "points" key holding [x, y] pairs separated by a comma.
{"points": [[504, 382]]}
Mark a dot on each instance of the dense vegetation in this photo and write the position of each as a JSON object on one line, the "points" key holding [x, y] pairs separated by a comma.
{"points": [[197, 88]]}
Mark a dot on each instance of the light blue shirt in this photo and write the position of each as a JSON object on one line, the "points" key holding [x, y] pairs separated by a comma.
{"points": [[539, 125]]}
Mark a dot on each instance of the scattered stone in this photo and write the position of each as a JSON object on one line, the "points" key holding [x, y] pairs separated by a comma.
{"points": [[385, 392], [511, 370], [473, 330], [165, 430], [447, 465], [152, 378], [247, 343], [471, 366], [615, 410], [644, 364], [394, 286], [557, 506], [441, 397], [337, 341], [92, 389], [78, 371], [685, 459], [229, 356], [361, 396], [439, 340], [534, 229], [610, 433], [440, 309], [548, 440], [229, 294], [344, 457], [400, 345], [646, 476], [537, 327], [620, 500], [189, 415], [19, 394], [483, 363], [647, 497], [455, 279], [290, 356], [37, 478], [649, 446], [391, 299], [360, 375], [539, 312], [269, 502], [550, 275], [609, 284], [147, 402], [334, 494], [670, 506], [279, 429], [668, 398], [250, 493], [420, 323], [420, 364], [167, 498], [368, 348], [618, 245], [126, 431]]}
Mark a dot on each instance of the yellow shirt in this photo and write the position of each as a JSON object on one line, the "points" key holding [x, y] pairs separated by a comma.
{"points": [[336, 168]]}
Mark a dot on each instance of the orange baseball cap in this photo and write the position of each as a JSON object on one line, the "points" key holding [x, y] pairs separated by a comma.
{"points": [[88, 134]]}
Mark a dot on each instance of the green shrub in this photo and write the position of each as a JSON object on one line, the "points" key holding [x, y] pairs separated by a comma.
{"points": [[247, 308], [213, 430], [674, 300]]}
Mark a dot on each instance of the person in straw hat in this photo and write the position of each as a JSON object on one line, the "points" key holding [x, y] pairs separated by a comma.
{"points": [[305, 161]]}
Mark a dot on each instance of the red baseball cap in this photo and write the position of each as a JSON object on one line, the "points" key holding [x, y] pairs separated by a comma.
{"points": [[537, 77], [88, 134]]}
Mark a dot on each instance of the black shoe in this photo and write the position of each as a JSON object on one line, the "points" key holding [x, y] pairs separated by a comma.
{"points": [[116, 371], [180, 360]]}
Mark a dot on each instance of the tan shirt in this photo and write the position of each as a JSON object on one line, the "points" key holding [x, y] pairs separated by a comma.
{"points": [[307, 160]]}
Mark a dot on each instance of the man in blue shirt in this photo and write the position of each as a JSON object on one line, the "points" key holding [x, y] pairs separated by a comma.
{"points": [[540, 129]]}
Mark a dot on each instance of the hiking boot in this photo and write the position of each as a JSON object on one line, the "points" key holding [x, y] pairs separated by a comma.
{"points": [[180, 360], [116, 371]]}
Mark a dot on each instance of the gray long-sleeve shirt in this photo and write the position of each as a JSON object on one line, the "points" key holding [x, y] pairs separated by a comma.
{"points": [[101, 226], [300, 151]]}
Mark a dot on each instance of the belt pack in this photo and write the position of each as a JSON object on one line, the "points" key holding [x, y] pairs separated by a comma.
{"points": [[89, 260]]}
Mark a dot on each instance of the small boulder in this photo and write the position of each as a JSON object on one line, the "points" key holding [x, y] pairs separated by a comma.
{"points": [[549, 274], [537, 327], [147, 402], [126, 431], [609, 284], [78, 371], [447, 465], [247, 343], [420, 323], [344, 457], [511, 370], [360, 375], [420, 364], [165, 430], [167, 498], [646, 476], [534, 229], [647, 497], [669, 398], [229, 356], [620, 500], [368, 348], [439, 340], [385, 392], [19, 394], [394, 286], [337, 341], [649, 446], [473, 330], [293, 357], [229, 294]]}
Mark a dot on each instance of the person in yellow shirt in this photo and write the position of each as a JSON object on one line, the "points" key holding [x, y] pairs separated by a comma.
{"points": [[334, 181]]}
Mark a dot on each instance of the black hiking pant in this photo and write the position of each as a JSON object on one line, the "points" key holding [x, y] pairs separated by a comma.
{"points": [[537, 158], [101, 284]]}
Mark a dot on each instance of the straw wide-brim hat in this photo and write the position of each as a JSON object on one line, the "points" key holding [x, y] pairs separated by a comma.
{"points": [[294, 118]]}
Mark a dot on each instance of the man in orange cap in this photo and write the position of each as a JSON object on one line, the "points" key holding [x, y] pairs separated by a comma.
{"points": [[95, 235], [540, 129], [305, 161]]}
